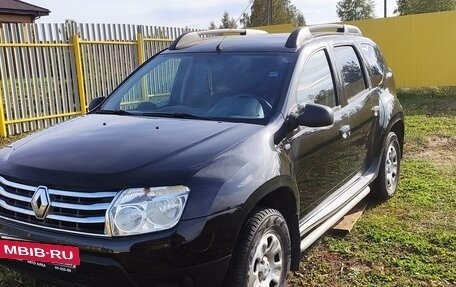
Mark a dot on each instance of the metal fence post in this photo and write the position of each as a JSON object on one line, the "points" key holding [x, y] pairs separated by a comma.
{"points": [[3, 132], [79, 73], [140, 40]]}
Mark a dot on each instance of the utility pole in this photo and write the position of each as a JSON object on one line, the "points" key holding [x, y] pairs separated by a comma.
{"points": [[268, 9], [385, 11], [270, 12]]}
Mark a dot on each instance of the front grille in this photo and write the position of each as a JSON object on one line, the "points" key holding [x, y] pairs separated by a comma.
{"points": [[71, 211]]}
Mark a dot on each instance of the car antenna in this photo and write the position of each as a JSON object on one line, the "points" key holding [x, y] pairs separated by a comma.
{"points": [[219, 46]]}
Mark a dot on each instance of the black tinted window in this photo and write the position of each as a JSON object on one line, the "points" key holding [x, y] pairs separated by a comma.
{"points": [[316, 84], [375, 61], [350, 69]]}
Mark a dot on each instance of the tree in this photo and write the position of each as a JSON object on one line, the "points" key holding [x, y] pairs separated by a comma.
{"points": [[298, 17], [408, 7], [274, 12], [349, 10], [70, 29], [301, 20], [227, 22], [245, 20], [212, 25], [265, 12]]}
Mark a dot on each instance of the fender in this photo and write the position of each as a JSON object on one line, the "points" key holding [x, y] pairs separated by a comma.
{"points": [[390, 114]]}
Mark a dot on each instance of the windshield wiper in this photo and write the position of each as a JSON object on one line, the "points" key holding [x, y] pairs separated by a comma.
{"points": [[116, 112], [175, 115]]}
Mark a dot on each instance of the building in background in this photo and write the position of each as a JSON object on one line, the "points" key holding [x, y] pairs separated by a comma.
{"points": [[14, 11]]}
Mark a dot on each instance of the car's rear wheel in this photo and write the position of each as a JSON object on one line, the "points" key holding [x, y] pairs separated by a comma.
{"points": [[263, 253], [385, 185]]}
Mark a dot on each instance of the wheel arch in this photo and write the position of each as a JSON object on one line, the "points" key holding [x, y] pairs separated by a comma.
{"points": [[283, 197], [398, 127], [283, 200]]}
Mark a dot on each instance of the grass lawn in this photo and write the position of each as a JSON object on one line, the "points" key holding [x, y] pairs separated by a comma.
{"points": [[407, 241]]}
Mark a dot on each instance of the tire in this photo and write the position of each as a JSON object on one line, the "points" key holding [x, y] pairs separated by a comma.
{"points": [[385, 185], [263, 241]]}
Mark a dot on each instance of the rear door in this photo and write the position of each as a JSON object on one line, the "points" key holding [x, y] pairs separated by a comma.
{"points": [[362, 104]]}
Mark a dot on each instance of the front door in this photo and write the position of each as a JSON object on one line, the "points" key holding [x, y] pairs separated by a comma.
{"points": [[321, 156]]}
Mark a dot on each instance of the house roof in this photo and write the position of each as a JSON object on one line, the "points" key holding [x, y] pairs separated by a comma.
{"points": [[22, 8]]}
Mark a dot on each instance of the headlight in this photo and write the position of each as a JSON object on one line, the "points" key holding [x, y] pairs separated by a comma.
{"points": [[144, 210]]}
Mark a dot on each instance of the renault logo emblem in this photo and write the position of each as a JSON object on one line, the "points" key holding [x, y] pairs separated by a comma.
{"points": [[41, 202]]}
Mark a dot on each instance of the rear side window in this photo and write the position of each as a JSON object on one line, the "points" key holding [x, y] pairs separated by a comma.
{"points": [[316, 84], [376, 64], [350, 68]]}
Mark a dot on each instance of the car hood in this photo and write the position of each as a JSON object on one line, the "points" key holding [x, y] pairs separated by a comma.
{"points": [[105, 151]]}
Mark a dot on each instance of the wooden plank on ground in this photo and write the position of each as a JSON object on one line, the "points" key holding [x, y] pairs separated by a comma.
{"points": [[346, 224]]}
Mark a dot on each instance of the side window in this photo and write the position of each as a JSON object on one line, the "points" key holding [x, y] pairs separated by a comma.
{"points": [[375, 60], [316, 84], [349, 67]]}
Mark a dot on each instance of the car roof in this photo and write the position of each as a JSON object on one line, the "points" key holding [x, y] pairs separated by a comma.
{"points": [[251, 40], [254, 43]]}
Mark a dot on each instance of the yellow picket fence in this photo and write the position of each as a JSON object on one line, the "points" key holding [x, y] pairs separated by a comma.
{"points": [[419, 48], [49, 72]]}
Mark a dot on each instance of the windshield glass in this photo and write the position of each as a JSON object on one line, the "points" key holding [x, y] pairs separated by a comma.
{"points": [[221, 86]]}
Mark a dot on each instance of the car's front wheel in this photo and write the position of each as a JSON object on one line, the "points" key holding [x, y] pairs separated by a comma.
{"points": [[263, 253], [388, 177]]}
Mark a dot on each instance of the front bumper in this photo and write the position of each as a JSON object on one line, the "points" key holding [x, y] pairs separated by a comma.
{"points": [[196, 252]]}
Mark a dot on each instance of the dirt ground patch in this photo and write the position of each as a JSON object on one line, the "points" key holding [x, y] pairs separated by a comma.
{"points": [[437, 149]]}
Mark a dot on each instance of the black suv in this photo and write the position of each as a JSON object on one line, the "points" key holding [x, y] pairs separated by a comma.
{"points": [[216, 162]]}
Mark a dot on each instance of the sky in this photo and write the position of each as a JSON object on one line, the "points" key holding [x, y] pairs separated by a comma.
{"points": [[178, 13]]}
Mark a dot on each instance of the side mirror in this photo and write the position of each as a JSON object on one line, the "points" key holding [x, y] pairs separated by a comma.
{"points": [[315, 115], [95, 103]]}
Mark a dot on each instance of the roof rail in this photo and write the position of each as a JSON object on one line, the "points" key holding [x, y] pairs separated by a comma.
{"points": [[336, 28], [192, 37], [300, 35]]}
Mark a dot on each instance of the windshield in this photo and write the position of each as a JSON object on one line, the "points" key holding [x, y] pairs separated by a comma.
{"points": [[220, 86]]}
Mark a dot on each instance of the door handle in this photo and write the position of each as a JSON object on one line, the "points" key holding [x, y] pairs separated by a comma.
{"points": [[345, 131], [375, 110]]}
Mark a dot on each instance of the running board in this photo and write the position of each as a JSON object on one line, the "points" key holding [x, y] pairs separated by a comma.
{"points": [[326, 225]]}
